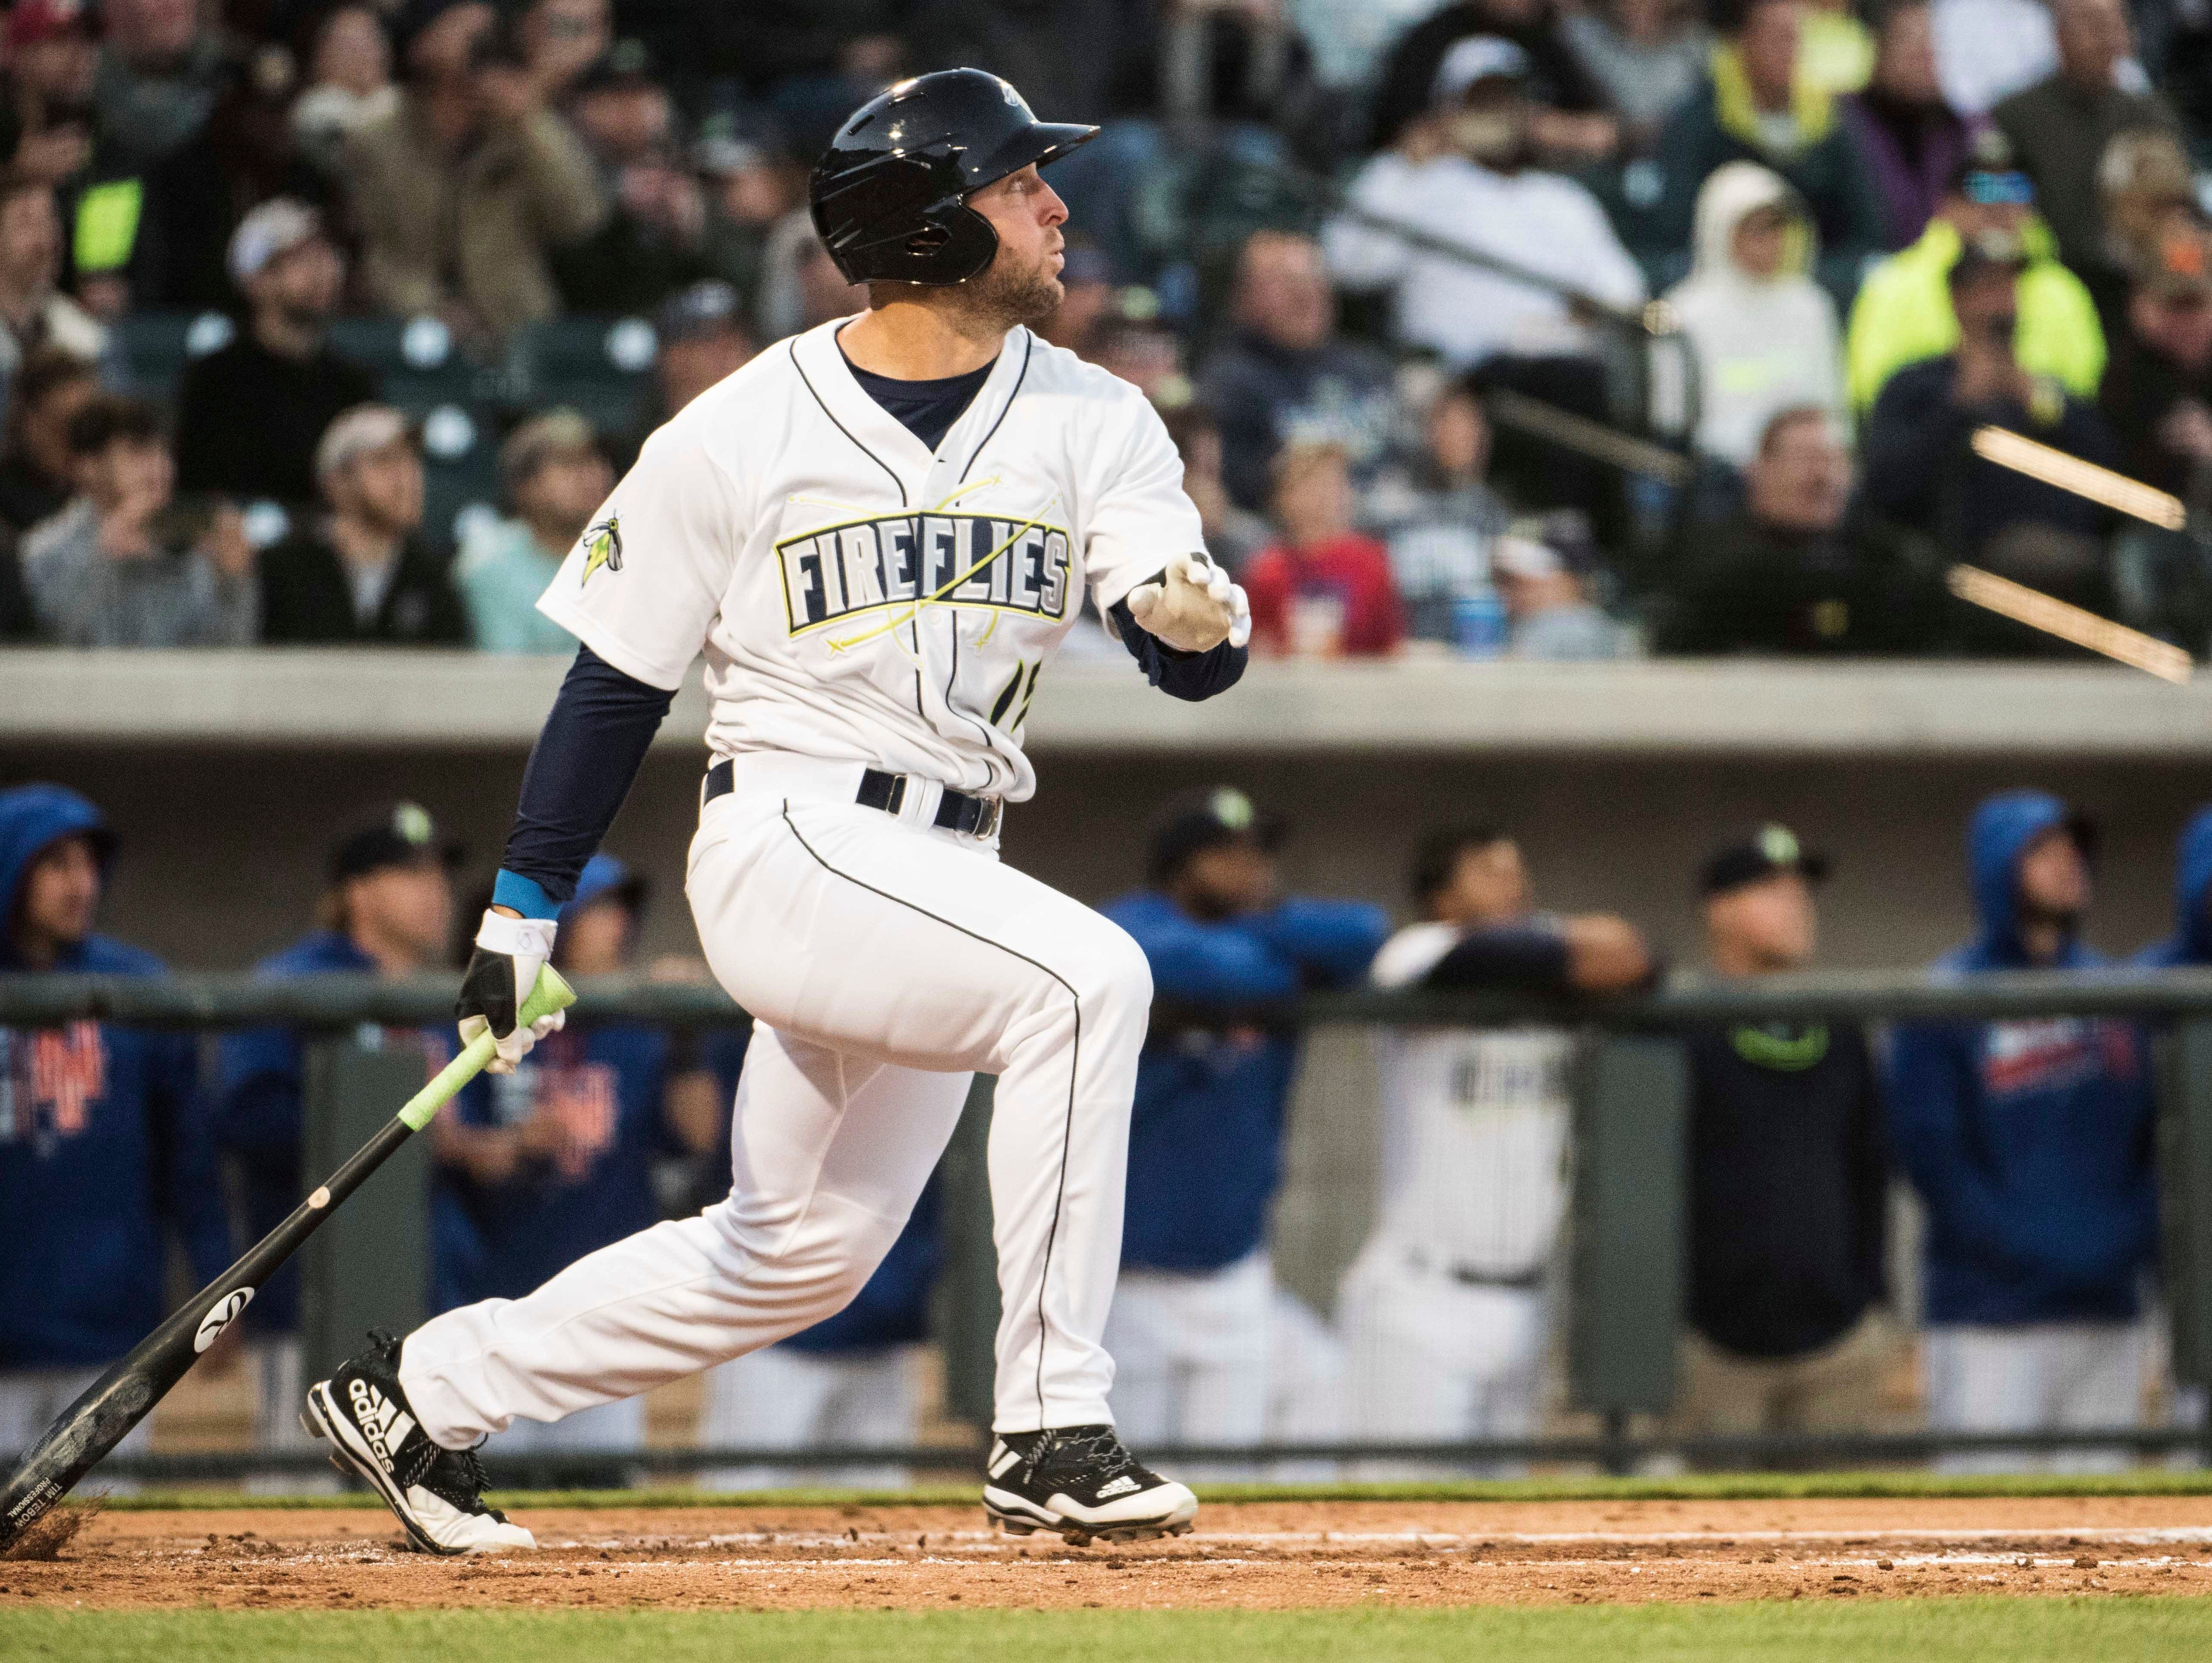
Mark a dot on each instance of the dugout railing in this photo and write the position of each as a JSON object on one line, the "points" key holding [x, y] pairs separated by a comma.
{"points": [[1626, 1252]]}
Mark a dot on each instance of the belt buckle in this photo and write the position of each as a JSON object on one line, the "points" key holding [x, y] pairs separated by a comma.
{"points": [[987, 825]]}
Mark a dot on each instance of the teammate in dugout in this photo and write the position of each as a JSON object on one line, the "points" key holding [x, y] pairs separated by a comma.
{"points": [[1190, 1332], [388, 911], [1443, 1312], [104, 1144], [538, 1167], [877, 531]]}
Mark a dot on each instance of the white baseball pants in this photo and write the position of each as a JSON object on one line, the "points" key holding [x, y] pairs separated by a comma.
{"points": [[886, 962], [2057, 1376]]}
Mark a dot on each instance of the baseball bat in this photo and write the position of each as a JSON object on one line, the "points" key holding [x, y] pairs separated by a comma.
{"points": [[127, 1394]]}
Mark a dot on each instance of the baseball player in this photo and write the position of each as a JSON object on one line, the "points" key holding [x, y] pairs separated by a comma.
{"points": [[877, 531], [1443, 1312]]}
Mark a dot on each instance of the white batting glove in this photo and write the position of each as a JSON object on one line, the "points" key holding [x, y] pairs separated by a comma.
{"points": [[1192, 606], [510, 952]]}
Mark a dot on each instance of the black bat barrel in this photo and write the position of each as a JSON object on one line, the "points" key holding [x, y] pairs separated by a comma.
{"points": [[103, 1416]]}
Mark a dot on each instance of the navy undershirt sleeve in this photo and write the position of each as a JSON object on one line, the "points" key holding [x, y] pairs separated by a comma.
{"points": [[580, 769], [1192, 676], [1525, 958]]}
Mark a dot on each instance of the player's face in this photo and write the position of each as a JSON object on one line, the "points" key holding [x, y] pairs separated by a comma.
{"points": [[1022, 283], [595, 942], [2054, 879], [1488, 884], [60, 895], [1771, 924]]}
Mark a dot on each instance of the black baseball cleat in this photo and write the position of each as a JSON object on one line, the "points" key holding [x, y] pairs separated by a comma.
{"points": [[1079, 1482], [436, 1493]]}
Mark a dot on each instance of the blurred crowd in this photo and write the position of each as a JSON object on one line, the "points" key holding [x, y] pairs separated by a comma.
{"points": [[2034, 1304], [1368, 258]]}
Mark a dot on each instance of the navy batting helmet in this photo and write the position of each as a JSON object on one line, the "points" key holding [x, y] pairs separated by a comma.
{"points": [[888, 195]]}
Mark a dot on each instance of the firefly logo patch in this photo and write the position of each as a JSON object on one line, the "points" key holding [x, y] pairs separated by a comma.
{"points": [[603, 547]]}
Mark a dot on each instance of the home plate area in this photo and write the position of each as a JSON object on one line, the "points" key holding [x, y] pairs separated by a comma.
{"points": [[1256, 1555]]}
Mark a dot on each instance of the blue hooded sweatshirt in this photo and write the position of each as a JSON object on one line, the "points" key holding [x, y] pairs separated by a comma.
{"points": [[1206, 1134], [2191, 940], [105, 1141], [2031, 1142]]}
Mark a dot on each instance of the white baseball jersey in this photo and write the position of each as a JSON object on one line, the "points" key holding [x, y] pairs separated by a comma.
{"points": [[1475, 1130], [858, 597]]}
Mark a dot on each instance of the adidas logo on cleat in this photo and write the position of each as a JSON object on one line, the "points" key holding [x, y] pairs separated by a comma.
{"points": [[382, 1422], [1121, 1486]]}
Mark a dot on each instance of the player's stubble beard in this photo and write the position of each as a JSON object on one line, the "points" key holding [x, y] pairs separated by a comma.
{"points": [[1006, 293]]}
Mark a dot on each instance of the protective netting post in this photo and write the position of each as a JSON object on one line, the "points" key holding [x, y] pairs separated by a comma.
{"points": [[967, 1292], [2184, 1166]]}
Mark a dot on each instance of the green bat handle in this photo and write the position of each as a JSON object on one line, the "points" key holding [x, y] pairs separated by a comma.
{"points": [[551, 994]]}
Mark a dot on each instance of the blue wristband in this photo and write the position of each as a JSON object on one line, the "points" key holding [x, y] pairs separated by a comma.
{"points": [[511, 889]]}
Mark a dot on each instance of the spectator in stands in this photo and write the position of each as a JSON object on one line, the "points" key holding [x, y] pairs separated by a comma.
{"points": [[105, 1143], [1286, 374], [33, 314], [388, 913], [1903, 313], [2191, 944], [703, 337], [1569, 121], [120, 567], [653, 238], [1788, 1181], [1759, 106], [2031, 1143], [1648, 57], [160, 71], [1988, 50], [1322, 588], [1143, 351], [1233, 535], [552, 478], [2059, 127], [1079, 58], [249, 415], [1542, 567], [1189, 1327], [749, 186], [1836, 53], [1439, 517], [361, 572], [462, 193], [847, 1382], [2146, 186], [1443, 1312], [349, 84], [1764, 332], [37, 470], [1090, 294], [560, 40], [800, 284], [538, 1167], [1466, 175], [1911, 140], [53, 55], [1921, 474], [1787, 574]]}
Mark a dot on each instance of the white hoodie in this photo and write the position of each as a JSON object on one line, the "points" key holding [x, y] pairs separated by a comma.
{"points": [[1763, 345]]}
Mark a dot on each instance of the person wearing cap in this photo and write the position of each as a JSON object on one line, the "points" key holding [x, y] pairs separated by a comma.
{"points": [[1921, 476], [1903, 313], [1761, 103], [703, 335], [1574, 116], [52, 54], [387, 911], [552, 478], [1789, 1179], [2061, 127], [1286, 374], [362, 570], [1466, 172], [105, 1143], [250, 414], [2033, 1145], [462, 193], [1540, 567], [538, 1167], [124, 565], [1189, 1329], [1443, 1312]]}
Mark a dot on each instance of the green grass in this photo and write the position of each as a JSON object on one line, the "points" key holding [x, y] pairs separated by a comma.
{"points": [[2046, 1630], [1692, 1487]]}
